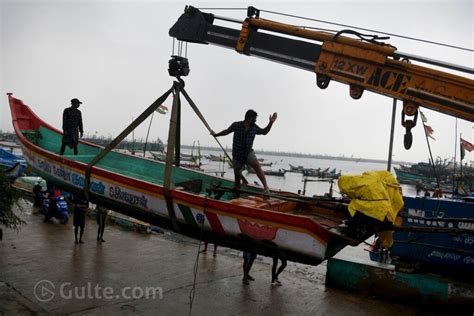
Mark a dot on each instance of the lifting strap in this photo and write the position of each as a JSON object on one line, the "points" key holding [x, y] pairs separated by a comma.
{"points": [[121, 137], [170, 151]]}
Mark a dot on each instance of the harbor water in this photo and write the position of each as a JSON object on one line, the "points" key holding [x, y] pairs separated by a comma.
{"points": [[292, 181]]}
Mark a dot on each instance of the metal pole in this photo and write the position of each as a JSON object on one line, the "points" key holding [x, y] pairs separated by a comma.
{"points": [[147, 133], [431, 157], [455, 152], [460, 182], [392, 131], [177, 148]]}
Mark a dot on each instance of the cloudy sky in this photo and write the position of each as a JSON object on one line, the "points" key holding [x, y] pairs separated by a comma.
{"points": [[113, 56]]}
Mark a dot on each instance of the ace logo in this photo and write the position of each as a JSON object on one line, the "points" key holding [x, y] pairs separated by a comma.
{"points": [[389, 80]]}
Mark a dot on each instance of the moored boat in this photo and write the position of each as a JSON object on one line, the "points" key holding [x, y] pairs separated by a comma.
{"points": [[450, 252], [307, 230], [267, 172]]}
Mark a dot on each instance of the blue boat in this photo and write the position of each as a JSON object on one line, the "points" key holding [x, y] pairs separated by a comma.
{"points": [[450, 252], [11, 164]]}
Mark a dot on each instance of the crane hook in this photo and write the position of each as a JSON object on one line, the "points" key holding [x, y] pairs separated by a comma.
{"points": [[409, 109]]}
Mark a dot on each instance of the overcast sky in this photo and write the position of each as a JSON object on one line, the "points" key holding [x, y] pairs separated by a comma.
{"points": [[113, 56]]}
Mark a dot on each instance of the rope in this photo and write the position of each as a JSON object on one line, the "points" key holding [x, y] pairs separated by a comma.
{"points": [[192, 293]]}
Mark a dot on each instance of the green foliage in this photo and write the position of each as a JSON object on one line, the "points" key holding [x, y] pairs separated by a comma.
{"points": [[8, 200]]}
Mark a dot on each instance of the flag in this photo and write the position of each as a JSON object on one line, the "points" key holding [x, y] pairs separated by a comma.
{"points": [[423, 117], [466, 145], [429, 131]]}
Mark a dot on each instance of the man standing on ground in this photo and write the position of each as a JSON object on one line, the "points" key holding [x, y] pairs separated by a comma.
{"points": [[72, 126], [242, 151], [101, 218], [80, 208]]}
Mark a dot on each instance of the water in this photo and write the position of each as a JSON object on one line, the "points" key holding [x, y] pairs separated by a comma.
{"points": [[294, 181]]}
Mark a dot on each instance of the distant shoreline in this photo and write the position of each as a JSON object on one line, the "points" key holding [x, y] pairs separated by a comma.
{"points": [[7, 136]]}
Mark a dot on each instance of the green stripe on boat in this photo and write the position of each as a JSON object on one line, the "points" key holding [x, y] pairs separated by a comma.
{"points": [[187, 214]]}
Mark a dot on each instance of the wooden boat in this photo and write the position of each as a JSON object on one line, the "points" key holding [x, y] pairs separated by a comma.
{"points": [[15, 171], [12, 165], [276, 173], [444, 252], [322, 173], [298, 169], [9, 160], [212, 157], [307, 230]]}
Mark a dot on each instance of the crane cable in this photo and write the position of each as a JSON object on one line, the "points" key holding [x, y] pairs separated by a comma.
{"points": [[370, 30], [350, 26]]}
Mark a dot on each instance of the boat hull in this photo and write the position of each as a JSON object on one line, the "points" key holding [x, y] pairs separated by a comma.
{"points": [[219, 227], [198, 215], [446, 253]]}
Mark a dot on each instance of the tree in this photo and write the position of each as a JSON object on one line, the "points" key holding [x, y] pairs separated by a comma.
{"points": [[8, 200]]}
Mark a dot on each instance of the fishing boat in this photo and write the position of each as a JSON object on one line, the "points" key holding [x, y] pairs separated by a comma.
{"points": [[322, 173], [8, 159], [14, 172], [267, 172], [450, 252], [212, 157], [196, 204], [12, 165], [298, 169]]}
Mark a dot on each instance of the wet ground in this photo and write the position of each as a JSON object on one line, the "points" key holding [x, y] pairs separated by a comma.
{"points": [[43, 271]]}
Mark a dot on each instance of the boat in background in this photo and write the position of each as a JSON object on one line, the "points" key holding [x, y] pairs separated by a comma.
{"points": [[12, 165], [193, 203], [322, 173], [9, 160], [447, 253], [276, 173], [297, 169], [14, 172], [423, 174]]}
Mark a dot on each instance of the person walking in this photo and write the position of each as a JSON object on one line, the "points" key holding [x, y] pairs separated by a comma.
{"points": [[214, 253], [276, 271], [72, 126], [249, 258], [101, 218], [242, 145]]}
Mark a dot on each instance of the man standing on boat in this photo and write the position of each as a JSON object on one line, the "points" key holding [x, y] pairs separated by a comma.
{"points": [[242, 151], [72, 126]]}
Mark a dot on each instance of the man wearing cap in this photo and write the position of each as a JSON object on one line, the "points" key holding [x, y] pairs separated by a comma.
{"points": [[72, 126]]}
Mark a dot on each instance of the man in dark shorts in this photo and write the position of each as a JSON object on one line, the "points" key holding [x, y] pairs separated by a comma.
{"points": [[72, 126], [249, 258], [101, 219], [276, 271], [80, 208], [242, 151]]}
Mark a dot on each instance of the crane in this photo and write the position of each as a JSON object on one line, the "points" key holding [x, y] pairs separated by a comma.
{"points": [[364, 63]]}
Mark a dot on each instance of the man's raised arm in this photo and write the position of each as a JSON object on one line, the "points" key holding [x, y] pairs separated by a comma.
{"points": [[272, 120]]}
